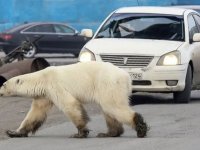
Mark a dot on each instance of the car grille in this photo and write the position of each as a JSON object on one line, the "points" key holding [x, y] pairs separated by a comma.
{"points": [[134, 61], [141, 82]]}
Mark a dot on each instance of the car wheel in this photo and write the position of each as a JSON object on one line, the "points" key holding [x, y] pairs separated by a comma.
{"points": [[184, 96], [31, 53]]}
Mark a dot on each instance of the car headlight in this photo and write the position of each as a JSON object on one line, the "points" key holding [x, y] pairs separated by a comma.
{"points": [[170, 59], [86, 55]]}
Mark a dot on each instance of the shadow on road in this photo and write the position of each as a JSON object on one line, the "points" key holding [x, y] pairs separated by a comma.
{"points": [[157, 98], [146, 98]]}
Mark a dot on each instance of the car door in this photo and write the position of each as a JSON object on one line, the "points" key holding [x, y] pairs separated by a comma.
{"points": [[44, 37], [69, 39], [194, 27]]}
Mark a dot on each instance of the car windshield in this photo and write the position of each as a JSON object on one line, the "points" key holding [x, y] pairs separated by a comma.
{"points": [[143, 26], [198, 10]]}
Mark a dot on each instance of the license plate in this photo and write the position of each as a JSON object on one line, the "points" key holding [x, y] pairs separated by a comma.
{"points": [[135, 76]]}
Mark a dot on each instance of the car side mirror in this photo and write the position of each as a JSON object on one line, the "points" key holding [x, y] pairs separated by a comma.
{"points": [[76, 32], [196, 37], [87, 33]]}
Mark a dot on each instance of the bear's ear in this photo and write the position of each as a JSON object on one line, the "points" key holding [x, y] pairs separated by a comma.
{"points": [[18, 81], [4, 85]]}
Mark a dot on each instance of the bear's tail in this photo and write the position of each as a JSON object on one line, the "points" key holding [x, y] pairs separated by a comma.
{"points": [[141, 126]]}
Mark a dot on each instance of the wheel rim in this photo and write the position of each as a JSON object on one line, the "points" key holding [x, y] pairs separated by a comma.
{"points": [[31, 52]]}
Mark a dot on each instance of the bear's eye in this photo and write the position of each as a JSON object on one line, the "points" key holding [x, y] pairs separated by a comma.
{"points": [[17, 81]]}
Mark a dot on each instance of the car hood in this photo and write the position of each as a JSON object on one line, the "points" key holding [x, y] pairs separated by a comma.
{"points": [[132, 46]]}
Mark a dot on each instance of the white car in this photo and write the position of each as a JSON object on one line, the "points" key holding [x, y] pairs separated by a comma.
{"points": [[158, 46], [194, 7]]}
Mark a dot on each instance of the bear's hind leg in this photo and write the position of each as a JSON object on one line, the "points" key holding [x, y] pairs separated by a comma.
{"points": [[124, 114], [34, 119], [134, 119], [141, 126], [115, 128]]}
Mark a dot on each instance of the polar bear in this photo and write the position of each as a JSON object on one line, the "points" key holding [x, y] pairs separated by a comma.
{"points": [[69, 87]]}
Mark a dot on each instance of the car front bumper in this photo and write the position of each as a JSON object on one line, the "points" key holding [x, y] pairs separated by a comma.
{"points": [[157, 79]]}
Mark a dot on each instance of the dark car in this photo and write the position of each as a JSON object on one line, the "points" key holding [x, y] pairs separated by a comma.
{"points": [[48, 37]]}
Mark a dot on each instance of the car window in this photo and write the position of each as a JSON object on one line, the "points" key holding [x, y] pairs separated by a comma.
{"points": [[63, 29], [44, 28], [192, 27], [143, 26], [197, 18]]}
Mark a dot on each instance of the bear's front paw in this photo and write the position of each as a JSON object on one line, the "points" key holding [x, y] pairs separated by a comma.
{"points": [[78, 136], [16, 134], [101, 135], [81, 134], [109, 134]]}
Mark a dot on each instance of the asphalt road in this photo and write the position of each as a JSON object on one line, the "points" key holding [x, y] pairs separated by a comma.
{"points": [[173, 127]]}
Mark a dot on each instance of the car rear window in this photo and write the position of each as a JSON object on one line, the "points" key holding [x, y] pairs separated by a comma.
{"points": [[17, 28], [44, 28]]}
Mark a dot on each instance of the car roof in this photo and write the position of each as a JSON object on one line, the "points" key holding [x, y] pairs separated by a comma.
{"points": [[188, 6], [153, 10], [23, 26], [193, 7]]}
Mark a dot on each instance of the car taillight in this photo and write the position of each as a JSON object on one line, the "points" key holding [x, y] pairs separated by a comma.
{"points": [[6, 36]]}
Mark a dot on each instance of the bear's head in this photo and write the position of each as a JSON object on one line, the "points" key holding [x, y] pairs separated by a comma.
{"points": [[11, 87], [27, 85]]}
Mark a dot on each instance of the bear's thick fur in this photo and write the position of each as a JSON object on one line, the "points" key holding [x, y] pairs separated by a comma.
{"points": [[69, 87]]}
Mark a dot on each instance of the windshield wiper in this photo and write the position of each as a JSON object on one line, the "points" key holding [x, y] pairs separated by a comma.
{"points": [[100, 36]]}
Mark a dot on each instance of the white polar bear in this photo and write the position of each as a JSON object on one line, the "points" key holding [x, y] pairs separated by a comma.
{"points": [[70, 86]]}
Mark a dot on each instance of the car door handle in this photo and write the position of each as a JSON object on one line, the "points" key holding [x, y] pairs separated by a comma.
{"points": [[60, 36], [36, 36]]}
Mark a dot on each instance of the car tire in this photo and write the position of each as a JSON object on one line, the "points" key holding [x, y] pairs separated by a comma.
{"points": [[31, 53], [184, 96]]}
